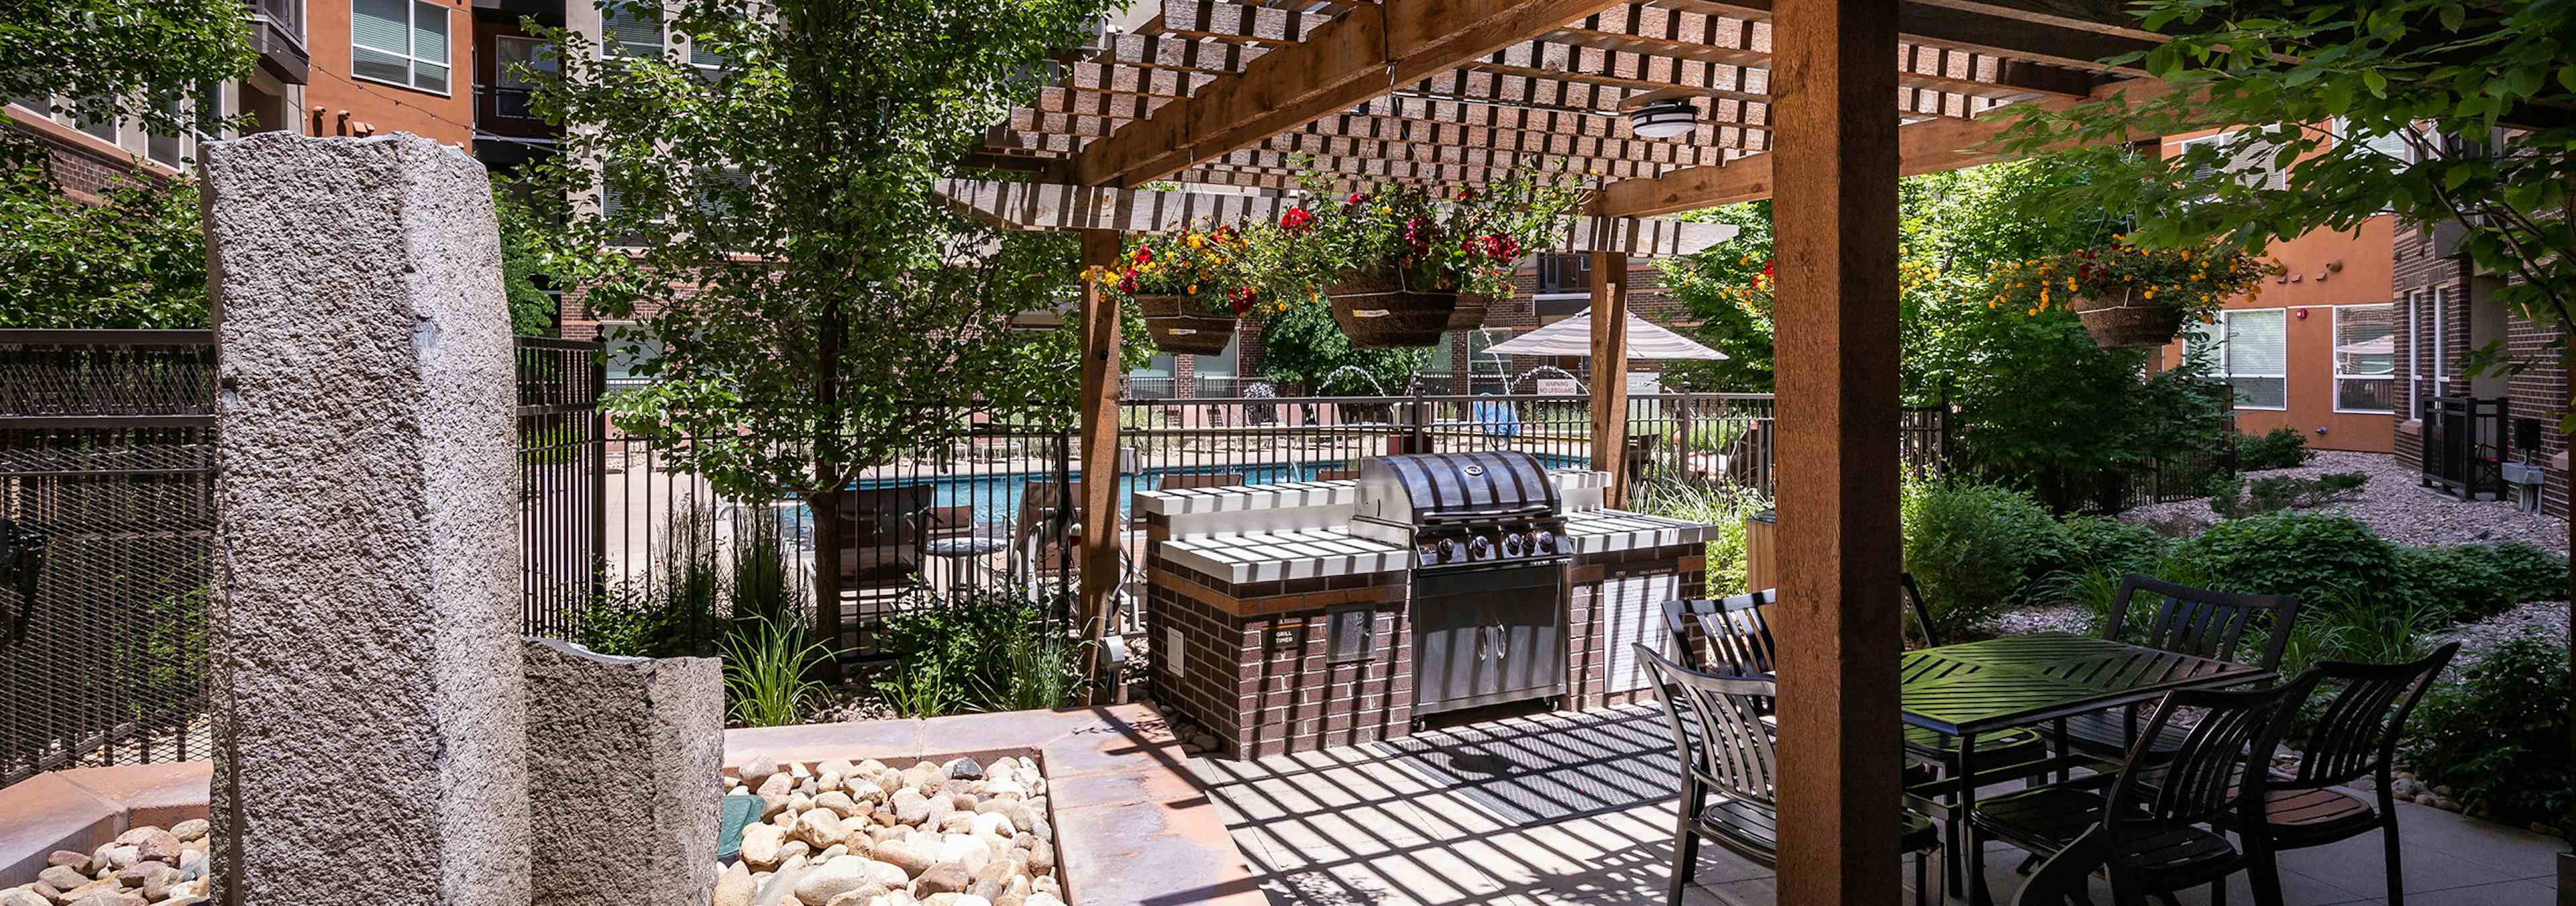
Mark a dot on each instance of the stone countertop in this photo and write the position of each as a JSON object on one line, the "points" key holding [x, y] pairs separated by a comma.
{"points": [[1132, 825], [1243, 557]]}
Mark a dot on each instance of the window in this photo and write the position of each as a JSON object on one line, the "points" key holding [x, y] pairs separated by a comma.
{"points": [[632, 351], [101, 122], [403, 42], [2393, 144], [2254, 160], [167, 149], [509, 90], [2365, 358], [631, 34], [2253, 356], [38, 104], [1565, 273], [1216, 373], [210, 112]]}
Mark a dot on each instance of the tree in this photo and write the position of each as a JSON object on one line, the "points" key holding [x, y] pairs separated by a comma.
{"points": [[133, 259], [770, 214], [1303, 348], [117, 59], [2434, 110], [2042, 405]]}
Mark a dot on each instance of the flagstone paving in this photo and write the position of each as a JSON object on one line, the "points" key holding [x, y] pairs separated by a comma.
{"points": [[1578, 809]]}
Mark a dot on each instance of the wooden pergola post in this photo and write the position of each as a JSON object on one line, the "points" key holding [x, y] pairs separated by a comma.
{"points": [[1610, 372], [1100, 526], [1836, 311]]}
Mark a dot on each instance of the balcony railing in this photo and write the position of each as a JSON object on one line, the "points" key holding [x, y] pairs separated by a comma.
{"points": [[2465, 446]]}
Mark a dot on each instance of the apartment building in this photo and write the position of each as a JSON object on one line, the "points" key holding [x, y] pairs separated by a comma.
{"points": [[2310, 349], [2475, 432]]}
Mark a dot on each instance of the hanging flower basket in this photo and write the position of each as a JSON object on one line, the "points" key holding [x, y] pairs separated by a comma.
{"points": [[1178, 327], [2125, 320], [1378, 311], [1470, 313]]}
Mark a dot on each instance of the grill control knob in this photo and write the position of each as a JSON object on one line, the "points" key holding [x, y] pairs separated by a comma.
{"points": [[1515, 545], [1429, 552], [1542, 543], [1480, 548], [1448, 549]]}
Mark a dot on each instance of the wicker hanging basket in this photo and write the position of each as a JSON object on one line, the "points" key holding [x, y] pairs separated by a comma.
{"points": [[2127, 321], [1177, 327], [1377, 311]]}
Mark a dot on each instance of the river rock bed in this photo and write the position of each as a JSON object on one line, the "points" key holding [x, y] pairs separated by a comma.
{"points": [[145, 866], [833, 833]]}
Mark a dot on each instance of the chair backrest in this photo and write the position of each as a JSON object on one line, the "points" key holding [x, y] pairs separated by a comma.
{"points": [[2220, 764], [883, 516], [1717, 728], [2204, 623], [2356, 731], [1738, 630], [1922, 613], [1185, 480]]}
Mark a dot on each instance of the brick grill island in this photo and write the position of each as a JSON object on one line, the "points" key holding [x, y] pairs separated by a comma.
{"points": [[1283, 621]]}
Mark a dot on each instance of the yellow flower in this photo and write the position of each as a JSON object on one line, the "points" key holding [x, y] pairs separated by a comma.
{"points": [[1193, 290], [2070, 284], [2151, 294], [2034, 311]]}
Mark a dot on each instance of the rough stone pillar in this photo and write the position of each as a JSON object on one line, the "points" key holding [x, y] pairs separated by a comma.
{"points": [[625, 756], [370, 745]]}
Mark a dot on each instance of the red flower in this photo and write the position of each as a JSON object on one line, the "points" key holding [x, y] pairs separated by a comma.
{"points": [[1144, 255], [1466, 194], [1766, 269], [1356, 198], [1297, 220], [1127, 283], [1241, 298]]}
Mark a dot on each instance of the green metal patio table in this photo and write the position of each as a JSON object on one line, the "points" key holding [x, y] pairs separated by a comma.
{"points": [[1993, 685]]}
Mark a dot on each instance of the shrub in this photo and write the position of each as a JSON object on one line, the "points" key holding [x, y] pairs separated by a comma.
{"points": [[1976, 549], [2280, 448], [2103, 544], [1721, 505], [2235, 498], [2481, 580], [2307, 554], [978, 650], [2499, 737]]}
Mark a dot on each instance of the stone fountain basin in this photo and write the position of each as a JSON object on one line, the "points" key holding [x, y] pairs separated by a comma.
{"points": [[1130, 824]]}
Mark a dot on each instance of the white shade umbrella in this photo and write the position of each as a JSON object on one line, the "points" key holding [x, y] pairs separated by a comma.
{"points": [[1573, 336]]}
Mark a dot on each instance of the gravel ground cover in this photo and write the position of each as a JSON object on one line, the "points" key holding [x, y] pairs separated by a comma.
{"points": [[2542, 620], [2395, 505]]}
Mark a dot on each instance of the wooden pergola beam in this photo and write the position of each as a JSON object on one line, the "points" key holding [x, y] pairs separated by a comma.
{"points": [[1341, 64], [1052, 206], [1930, 146], [2038, 41]]}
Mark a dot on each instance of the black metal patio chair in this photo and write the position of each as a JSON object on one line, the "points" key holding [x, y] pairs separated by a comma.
{"points": [[1730, 771], [2160, 818], [2194, 621], [2355, 735], [1737, 629]]}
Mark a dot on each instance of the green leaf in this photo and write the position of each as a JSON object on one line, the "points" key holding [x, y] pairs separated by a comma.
{"points": [[2567, 77], [2378, 84], [2454, 16]]}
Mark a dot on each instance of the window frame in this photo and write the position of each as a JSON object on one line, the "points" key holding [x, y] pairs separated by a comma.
{"points": [[2218, 363], [2336, 364], [411, 48], [2273, 179], [503, 81]]}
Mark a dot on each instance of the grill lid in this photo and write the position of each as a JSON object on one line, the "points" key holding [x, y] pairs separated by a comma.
{"points": [[1431, 488]]}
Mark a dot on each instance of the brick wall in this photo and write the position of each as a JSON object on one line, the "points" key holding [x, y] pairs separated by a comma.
{"points": [[1254, 669], [2539, 390]]}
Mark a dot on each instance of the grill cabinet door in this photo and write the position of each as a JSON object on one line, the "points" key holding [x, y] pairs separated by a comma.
{"points": [[1487, 636]]}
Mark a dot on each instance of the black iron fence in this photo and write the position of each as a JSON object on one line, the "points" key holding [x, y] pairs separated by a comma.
{"points": [[106, 511], [2465, 444]]}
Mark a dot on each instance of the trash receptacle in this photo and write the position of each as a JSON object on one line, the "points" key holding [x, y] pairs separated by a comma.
{"points": [[1758, 565]]}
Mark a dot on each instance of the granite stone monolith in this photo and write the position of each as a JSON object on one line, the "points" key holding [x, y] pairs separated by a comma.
{"points": [[366, 679], [625, 760]]}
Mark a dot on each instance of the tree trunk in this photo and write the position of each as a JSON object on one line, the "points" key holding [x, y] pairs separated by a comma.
{"points": [[825, 509]]}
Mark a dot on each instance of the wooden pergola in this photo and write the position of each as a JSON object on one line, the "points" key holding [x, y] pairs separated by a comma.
{"points": [[1821, 104]]}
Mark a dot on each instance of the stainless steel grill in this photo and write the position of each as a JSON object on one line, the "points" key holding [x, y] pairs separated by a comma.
{"points": [[1464, 510], [1488, 586]]}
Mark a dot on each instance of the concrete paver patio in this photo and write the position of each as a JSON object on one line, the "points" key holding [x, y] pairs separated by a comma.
{"points": [[1564, 808]]}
